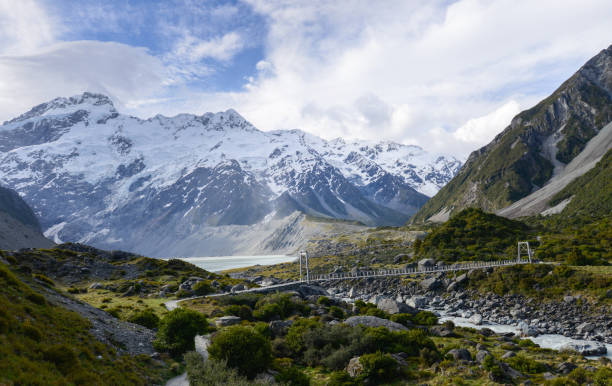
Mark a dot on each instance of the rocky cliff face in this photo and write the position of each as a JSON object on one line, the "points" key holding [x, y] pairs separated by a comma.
{"points": [[537, 145], [96, 176], [19, 227]]}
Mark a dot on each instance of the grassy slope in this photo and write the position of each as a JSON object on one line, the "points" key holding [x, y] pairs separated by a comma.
{"points": [[49, 345]]}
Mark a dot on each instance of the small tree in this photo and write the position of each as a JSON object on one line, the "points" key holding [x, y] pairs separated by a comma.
{"points": [[146, 318], [242, 348], [177, 331]]}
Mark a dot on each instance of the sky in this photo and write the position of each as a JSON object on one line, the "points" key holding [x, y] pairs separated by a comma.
{"points": [[444, 75]]}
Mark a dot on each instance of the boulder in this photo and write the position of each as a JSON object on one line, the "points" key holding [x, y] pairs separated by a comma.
{"points": [[426, 263], [227, 321], [460, 354], [527, 330], [312, 289], [509, 372], [280, 327], [374, 321], [586, 349], [585, 327], [508, 354], [565, 368], [237, 287], [354, 367], [475, 319], [430, 284], [481, 355], [441, 330], [416, 301], [390, 306], [400, 257], [97, 286]]}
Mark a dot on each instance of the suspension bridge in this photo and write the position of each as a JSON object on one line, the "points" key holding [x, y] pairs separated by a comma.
{"points": [[306, 277]]}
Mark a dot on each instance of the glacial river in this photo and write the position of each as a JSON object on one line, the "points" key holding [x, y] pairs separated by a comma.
{"points": [[221, 263]]}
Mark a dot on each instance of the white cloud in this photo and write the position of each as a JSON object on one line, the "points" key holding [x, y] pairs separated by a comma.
{"points": [[192, 49], [24, 26], [418, 72]]}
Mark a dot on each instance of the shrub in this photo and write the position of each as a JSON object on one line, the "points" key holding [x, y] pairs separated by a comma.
{"points": [[342, 378], [211, 372], [526, 365], [146, 318], [202, 288], [242, 348], [242, 311], [36, 298], [336, 312], [30, 331], [263, 329], [294, 339], [286, 303], [293, 377], [378, 367], [404, 319], [268, 312], [425, 318], [602, 376], [324, 301], [44, 279], [62, 357], [178, 329]]}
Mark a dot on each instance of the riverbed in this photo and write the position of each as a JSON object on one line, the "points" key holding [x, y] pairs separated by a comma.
{"points": [[222, 263], [551, 341]]}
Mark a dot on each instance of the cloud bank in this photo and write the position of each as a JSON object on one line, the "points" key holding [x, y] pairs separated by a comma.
{"points": [[445, 76]]}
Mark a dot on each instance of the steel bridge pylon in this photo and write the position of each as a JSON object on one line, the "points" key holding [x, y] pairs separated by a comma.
{"points": [[523, 246], [304, 256]]}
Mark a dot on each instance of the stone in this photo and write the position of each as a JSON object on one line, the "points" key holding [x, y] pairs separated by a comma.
{"points": [[400, 257], [568, 299], [486, 332], [508, 354], [416, 301], [311, 289], [97, 286], [227, 321], [430, 284], [460, 354], [585, 327], [426, 263], [565, 368], [354, 367], [352, 292], [527, 330], [374, 321], [441, 331], [509, 372], [475, 319], [215, 284], [481, 355], [280, 327], [586, 349], [461, 278], [390, 306], [237, 287]]}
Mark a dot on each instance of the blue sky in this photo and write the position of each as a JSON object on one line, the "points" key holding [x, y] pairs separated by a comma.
{"points": [[445, 75]]}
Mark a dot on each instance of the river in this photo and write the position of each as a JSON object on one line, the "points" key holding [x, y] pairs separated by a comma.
{"points": [[551, 341], [222, 263]]}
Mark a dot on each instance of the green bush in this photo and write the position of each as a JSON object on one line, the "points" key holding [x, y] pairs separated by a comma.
{"points": [[403, 319], [294, 339], [268, 312], [146, 318], [342, 378], [324, 301], [336, 312], [378, 367], [292, 376], [202, 288], [526, 365], [44, 279], [62, 357], [242, 348], [425, 318], [242, 311], [178, 329], [36, 298], [212, 372], [30, 331]]}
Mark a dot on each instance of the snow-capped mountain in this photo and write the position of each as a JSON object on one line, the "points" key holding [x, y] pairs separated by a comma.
{"points": [[115, 181]]}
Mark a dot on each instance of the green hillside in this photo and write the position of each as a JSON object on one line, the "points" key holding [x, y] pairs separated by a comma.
{"points": [[513, 164], [45, 344]]}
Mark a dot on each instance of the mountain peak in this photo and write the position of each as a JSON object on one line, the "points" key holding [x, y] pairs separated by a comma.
{"points": [[61, 105]]}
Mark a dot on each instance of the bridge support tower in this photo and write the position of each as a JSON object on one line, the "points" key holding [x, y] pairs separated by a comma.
{"points": [[523, 246], [304, 257]]}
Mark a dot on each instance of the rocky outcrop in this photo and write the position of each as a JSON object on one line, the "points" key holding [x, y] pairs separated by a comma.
{"points": [[373, 321]]}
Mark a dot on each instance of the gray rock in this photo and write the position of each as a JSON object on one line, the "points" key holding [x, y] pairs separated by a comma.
{"points": [[237, 287], [475, 319], [569, 299], [441, 330], [509, 372], [586, 349], [227, 321], [460, 354], [585, 327], [280, 327], [527, 330], [565, 368], [481, 355], [97, 286], [390, 306], [426, 263], [430, 284], [374, 321], [354, 367], [508, 354], [416, 301]]}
